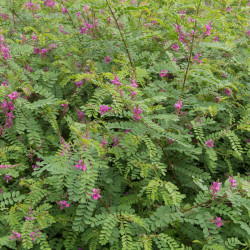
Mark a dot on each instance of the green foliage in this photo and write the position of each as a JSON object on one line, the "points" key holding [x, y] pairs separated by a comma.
{"points": [[147, 149]]}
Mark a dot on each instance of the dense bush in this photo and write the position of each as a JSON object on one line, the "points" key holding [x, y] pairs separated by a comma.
{"points": [[124, 124]]}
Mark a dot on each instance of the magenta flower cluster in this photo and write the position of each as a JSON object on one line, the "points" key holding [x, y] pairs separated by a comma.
{"points": [[66, 149], [178, 105], [218, 222], [86, 28], [63, 204], [78, 84], [137, 112], [163, 73], [15, 235], [104, 109], [81, 115], [4, 49], [81, 165], [7, 108], [33, 235], [209, 143], [96, 194], [215, 188], [49, 3], [233, 182], [31, 6], [107, 59], [116, 81]]}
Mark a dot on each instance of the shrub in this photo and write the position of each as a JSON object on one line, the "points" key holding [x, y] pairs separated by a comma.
{"points": [[124, 124]]}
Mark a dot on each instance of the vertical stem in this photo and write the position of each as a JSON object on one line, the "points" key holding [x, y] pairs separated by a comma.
{"points": [[105, 205], [123, 39], [191, 49]]}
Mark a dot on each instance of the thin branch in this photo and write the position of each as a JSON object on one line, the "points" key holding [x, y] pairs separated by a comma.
{"points": [[123, 39], [191, 50]]}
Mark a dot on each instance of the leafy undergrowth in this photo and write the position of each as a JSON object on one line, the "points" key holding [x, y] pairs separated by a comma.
{"points": [[124, 124]]}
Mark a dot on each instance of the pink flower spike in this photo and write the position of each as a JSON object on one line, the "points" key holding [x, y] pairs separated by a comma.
{"points": [[216, 39], [209, 143], [107, 59], [86, 8], [103, 143], [227, 91], [64, 10], [13, 95], [7, 178], [215, 188], [175, 47], [133, 83], [218, 222], [208, 29], [104, 109], [116, 81], [233, 182], [80, 115], [63, 204], [178, 105], [163, 73], [136, 116], [96, 194], [15, 235], [78, 84]]}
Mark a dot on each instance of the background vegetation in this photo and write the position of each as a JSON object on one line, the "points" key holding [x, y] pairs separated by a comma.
{"points": [[124, 124]]}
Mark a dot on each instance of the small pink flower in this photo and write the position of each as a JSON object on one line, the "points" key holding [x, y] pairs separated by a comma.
{"points": [[216, 99], [216, 39], [96, 194], [215, 187], [4, 16], [63, 204], [218, 222], [78, 84], [233, 182], [209, 143], [116, 81], [128, 130], [81, 165], [116, 142], [107, 59], [86, 8], [103, 143], [65, 105], [34, 234], [133, 83], [175, 47], [104, 109], [208, 29], [7, 178], [80, 115], [13, 95], [163, 73], [227, 91], [64, 10], [196, 57], [15, 235], [136, 115], [78, 13], [178, 105]]}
